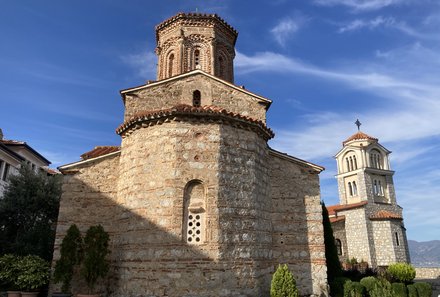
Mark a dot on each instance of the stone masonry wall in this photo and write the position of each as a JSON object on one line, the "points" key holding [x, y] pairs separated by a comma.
{"points": [[169, 94], [384, 243], [297, 225], [157, 163], [89, 198], [339, 233], [358, 235]]}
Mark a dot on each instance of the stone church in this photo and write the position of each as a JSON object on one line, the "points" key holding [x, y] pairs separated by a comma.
{"points": [[195, 201], [367, 222]]}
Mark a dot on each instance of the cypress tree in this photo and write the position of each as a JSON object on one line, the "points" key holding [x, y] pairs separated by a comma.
{"points": [[331, 254]]}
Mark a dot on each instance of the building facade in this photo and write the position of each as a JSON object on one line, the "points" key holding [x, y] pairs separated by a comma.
{"points": [[13, 154], [194, 200], [367, 222]]}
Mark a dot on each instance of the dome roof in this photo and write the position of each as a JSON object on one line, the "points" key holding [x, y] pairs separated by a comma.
{"points": [[359, 136]]}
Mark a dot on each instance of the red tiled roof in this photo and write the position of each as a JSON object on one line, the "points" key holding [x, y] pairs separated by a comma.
{"points": [[188, 110], [384, 214], [359, 136], [100, 151], [333, 209], [337, 219]]}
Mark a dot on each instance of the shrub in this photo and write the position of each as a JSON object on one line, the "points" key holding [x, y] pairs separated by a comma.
{"points": [[95, 264], [71, 249], [283, 283], [9, 271], [354, 289], [382, 288], [412, 291], [337, 286], [423, 289], [33, 273], [402, 272], [368, 282], [399, 290]]}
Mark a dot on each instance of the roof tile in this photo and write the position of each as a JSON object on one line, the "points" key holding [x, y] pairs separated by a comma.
{"points": [[99, 151]]}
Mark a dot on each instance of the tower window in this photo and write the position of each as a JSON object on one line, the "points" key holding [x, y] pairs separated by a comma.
{"points": [[170, 65], [197, 98], [197, 59], [354, 189], [396, 235], [350, 189], [338, 244], [221, 67]]}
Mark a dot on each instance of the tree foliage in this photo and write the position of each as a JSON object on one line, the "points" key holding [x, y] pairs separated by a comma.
{"points": [[401, 272], [283, 283], [70, 255], [334, 268], [28, 213], [95, 264]]}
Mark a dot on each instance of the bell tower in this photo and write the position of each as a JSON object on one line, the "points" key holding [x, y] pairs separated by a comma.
{"points": [[189, 41]]}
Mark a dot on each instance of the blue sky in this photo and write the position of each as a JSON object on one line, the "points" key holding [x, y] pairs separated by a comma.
{"points": [[324, 63]]}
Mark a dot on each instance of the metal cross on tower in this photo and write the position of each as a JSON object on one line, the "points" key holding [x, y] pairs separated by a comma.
{"points": [[358, 124]]}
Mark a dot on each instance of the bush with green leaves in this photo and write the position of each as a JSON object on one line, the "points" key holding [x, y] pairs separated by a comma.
{"points": [[423, 289], [399, 290], [354, 289], [401, 272], [337, 286], [33, 273], [412, 291], [283, 283], [95, 265], [369, 282], [9, 271], [70, 256], [382, 288]]}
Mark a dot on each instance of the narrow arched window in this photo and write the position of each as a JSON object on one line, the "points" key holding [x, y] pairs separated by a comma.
{"points": [[194, 213], [338, 244], [197, 59], [197, 98], [354, 189], [355, 163], [396, 235], [348, 164], [379, 188], [170, 65], [351, 164], [350, 189], [375, 188], [221, 67]]}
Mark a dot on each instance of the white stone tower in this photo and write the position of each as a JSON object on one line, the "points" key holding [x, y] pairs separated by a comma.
{"points": [[368, 222]]}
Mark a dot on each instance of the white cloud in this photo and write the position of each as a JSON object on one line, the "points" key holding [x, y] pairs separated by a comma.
{"points": [[370, 24], [284, 30], [360, 5], [143, 63]]}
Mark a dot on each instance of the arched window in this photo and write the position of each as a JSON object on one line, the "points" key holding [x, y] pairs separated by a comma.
{"points": [[170, 65], [197, 59], [338, 244], [375, 159], [379, 188], [396, 235], [351, 164], [348, 164], [221, 67], [355, 163], [350, 189], [355, 190], [375, 188], [194, 213], [197, 98]]}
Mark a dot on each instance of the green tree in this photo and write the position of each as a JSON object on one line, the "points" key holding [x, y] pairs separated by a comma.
{"points": [[283, 283], [70, 255], [334, 268], [95, 264], [28, 213]]}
